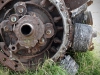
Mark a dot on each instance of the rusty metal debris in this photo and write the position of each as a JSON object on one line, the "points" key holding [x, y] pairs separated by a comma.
{"points": [[31, 30]]}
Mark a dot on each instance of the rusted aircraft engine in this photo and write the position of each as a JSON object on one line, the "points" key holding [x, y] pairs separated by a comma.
{"points": [[32, 30]]}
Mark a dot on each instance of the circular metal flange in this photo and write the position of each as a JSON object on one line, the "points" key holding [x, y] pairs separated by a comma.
{"points": [[29, 30]]}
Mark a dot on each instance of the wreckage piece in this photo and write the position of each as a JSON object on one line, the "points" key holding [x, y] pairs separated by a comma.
{"points": [[82, 37], [33, 29], [69, 64], [84, 18]]}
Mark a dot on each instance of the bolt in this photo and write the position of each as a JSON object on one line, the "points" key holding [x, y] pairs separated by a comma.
{"points": [[56, 19], [21, 10], [42, 41], [6, 28], [51, 8], [13, 18], [53, 49], [43, 2], [48, 32], [56, 40]]}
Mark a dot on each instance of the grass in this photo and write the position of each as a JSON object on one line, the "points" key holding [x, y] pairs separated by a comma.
{"points": [[88, 64]]}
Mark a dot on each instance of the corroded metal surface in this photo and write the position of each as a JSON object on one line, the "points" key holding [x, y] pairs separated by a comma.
{"points": [[60, 5], [34, 29], [26, 33], [29, 30], [3, 3], [82, 41], [7, 61], [73, 4]]}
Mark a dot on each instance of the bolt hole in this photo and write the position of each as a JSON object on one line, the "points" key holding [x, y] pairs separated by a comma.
{"points": [[4, 59], [13, 48], [2, 1], [16, 65], [26, 29], [16, 61]]}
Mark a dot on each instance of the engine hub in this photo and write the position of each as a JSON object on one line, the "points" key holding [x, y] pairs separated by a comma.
{"points": [[29, 30]]}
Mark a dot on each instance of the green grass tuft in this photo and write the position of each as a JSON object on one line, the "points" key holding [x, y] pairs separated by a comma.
{"points": [[89, 65]]}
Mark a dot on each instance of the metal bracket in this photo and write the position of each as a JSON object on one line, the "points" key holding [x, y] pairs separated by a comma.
{"points": [[6, 61], [81, 8]]}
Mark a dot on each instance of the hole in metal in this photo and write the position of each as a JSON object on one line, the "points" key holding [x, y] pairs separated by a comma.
{"points": [[26, 30], [13, 48], [2, 1]]}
